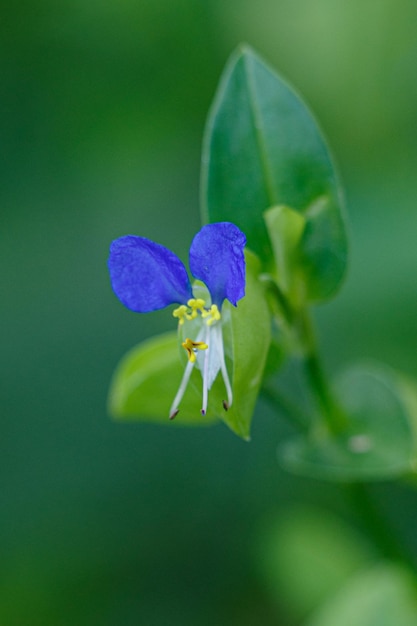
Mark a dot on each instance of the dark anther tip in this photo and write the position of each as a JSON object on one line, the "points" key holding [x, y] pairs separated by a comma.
{"points": [[225, 405], [174, 414], [202, 412]]}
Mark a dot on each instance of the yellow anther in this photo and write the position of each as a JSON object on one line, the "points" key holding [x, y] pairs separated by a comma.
{"points": [[189, 312], [213, 314], [191, 346], [181, 313], [196, 305]]}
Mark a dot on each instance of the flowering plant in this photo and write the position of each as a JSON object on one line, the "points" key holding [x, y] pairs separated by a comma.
{"points": [[273, 244]]}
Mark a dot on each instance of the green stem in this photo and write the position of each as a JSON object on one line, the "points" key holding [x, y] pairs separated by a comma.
{"points": [[335, 419], [382, 535], [278, 302]]}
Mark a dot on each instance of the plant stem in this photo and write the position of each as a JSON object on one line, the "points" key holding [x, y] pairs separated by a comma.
{"points": [[382, 535], [335, 419]]}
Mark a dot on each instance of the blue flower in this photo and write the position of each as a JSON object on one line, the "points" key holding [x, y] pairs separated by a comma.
{"points": [[146, 276]]}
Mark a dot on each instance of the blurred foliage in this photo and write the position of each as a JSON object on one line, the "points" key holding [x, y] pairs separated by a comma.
{"points": [[102, 113], [297, 556]]}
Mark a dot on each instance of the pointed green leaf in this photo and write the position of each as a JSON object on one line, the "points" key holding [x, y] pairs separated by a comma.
{"points": [[249, 338], [380, 442], [263, 148], [247, 335]]}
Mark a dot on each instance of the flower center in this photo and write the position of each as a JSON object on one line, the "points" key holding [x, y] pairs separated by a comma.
{"points": [[205, 322], [195, 307]]}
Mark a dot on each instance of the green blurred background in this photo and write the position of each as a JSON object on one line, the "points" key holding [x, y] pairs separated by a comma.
{"points": [[103, 107]]}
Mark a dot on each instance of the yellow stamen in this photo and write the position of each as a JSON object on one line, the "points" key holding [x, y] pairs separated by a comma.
{"points": [[189, 312], [213, 314], [192, 346], [196, 305], [181, 313]]}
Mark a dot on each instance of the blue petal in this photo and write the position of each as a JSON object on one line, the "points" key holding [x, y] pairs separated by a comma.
{"points": [[216, 258], [146, 276]]}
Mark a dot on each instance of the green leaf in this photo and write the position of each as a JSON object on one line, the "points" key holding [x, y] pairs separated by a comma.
{"points": [[380, 441], [247, 336], [146, 381], [382, 596], [286, 228], [263, 148], [148, 377]]}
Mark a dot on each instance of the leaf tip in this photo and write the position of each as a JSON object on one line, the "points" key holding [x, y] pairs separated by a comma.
{"points": [[244, 49], [240, 53]]}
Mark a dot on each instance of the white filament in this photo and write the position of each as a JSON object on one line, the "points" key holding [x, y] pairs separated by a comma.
{"points": [[205, 372], [223, 368], [209, 362], [181, 390]]}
